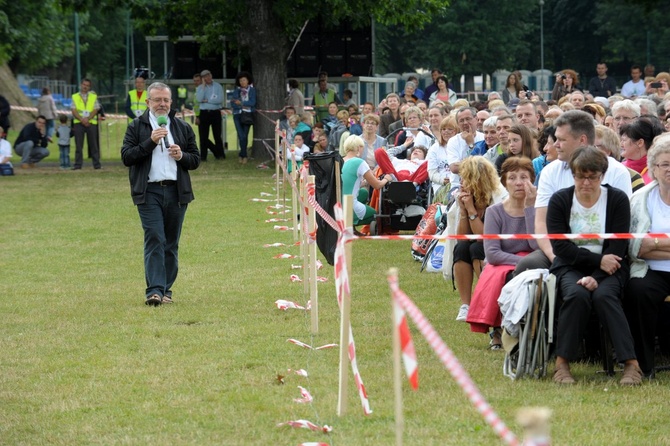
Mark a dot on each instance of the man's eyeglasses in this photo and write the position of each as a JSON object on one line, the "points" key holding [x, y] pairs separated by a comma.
{"points": [[159, 100], [664, 166]]}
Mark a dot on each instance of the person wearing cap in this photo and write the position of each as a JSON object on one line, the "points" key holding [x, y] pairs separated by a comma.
{"points": [[210, 97]]}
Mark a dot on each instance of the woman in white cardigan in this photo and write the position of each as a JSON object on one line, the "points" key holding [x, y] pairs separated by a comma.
{"points": [[649, 282]]}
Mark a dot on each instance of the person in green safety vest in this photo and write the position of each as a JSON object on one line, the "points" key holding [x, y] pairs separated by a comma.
{"points": [[85, 108], [182, 94], [322, 98], [136, 101]]}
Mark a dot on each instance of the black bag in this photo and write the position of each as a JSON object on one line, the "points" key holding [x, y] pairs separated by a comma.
{"points": [[246, 118], [322, 166], [6, 170]]}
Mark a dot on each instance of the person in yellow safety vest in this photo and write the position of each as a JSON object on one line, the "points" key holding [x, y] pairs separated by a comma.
{"points": [[182, 94], [322, 98], [85, 109], [136, 101]]}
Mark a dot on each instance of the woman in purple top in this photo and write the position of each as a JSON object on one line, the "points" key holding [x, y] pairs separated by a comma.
{"points": [[514, 215]]}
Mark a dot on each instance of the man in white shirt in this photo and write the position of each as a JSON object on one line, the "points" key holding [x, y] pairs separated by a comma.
{"points": [[635, 86], [574, 129], [6, 167], [460, 146]]}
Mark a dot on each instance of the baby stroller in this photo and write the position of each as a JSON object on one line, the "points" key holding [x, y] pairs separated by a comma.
{"points": [[401, 206], [527, 304]]}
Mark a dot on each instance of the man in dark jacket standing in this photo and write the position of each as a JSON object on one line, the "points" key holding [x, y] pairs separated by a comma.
{"points": [[159, 156]]}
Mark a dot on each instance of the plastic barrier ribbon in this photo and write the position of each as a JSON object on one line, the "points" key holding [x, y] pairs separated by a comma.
{"points": [[451, 363]]}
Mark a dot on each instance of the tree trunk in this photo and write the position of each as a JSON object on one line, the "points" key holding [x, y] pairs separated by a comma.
{"points": [[268, 50], [9, 88]]}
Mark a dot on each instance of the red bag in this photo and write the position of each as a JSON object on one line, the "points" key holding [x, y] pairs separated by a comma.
{"points": [[426, 226]]}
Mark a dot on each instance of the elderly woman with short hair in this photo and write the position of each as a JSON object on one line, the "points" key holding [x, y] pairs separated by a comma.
{"points": [[417, 134], [649, 282], [590, 273], [438, 166]]}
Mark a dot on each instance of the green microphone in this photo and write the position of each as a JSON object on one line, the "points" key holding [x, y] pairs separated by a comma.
{"points": [[162, 121]]}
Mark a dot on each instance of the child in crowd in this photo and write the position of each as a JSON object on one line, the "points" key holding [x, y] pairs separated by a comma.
{"points": [[297, 150], [6, 168], [355, 127], [64, 135]]}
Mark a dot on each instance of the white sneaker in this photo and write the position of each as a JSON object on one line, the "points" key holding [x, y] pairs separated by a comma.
{"points": [[463, 313]]}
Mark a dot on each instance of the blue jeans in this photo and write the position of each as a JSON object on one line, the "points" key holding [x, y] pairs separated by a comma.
{"points": [[51, 127], [64, 155], [162, 217], [29, 153], [242, 135]]}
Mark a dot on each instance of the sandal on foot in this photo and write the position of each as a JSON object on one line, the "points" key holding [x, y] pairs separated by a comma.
{"points": [[495, 344], [154, 300], [632, 375], [563, 376], [167, 299]]}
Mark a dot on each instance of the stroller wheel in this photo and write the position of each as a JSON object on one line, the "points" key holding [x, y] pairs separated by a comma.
{"points": [[373, 227]]}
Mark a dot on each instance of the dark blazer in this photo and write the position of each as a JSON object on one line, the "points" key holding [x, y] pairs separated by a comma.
{"points": [[568, 254], [138, 148]]}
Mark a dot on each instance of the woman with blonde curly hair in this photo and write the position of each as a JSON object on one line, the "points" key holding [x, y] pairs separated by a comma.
{"points": [[480, 188]]}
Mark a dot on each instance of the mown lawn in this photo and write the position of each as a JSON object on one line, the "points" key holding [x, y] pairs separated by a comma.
{"points": [[84, 361]]}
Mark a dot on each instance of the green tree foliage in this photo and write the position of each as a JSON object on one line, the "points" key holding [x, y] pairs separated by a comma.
{"points": [[470, 37], [34, 35], [634, 33], [265, 29]]}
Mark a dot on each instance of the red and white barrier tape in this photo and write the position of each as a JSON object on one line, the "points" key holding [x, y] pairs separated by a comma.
{"points": [[619, 236], [305, 396], [311, 198], [406, 345], [451, 363], [342, 286], [304, 424], [287, 304]]}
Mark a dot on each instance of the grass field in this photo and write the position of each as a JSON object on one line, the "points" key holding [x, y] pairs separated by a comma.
{"points": [[84, 361]]}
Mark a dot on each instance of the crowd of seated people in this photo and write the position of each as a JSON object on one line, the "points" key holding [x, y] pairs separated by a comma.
{"points": [[561, 167], [593, 161]]}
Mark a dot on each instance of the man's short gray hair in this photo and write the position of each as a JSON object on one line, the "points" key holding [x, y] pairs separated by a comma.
{"points": [[158, 86], [626, 104]]}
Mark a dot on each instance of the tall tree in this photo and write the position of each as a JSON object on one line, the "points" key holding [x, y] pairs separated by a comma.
{"points": [[468, 38], [265, 30], [34, 35]]}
